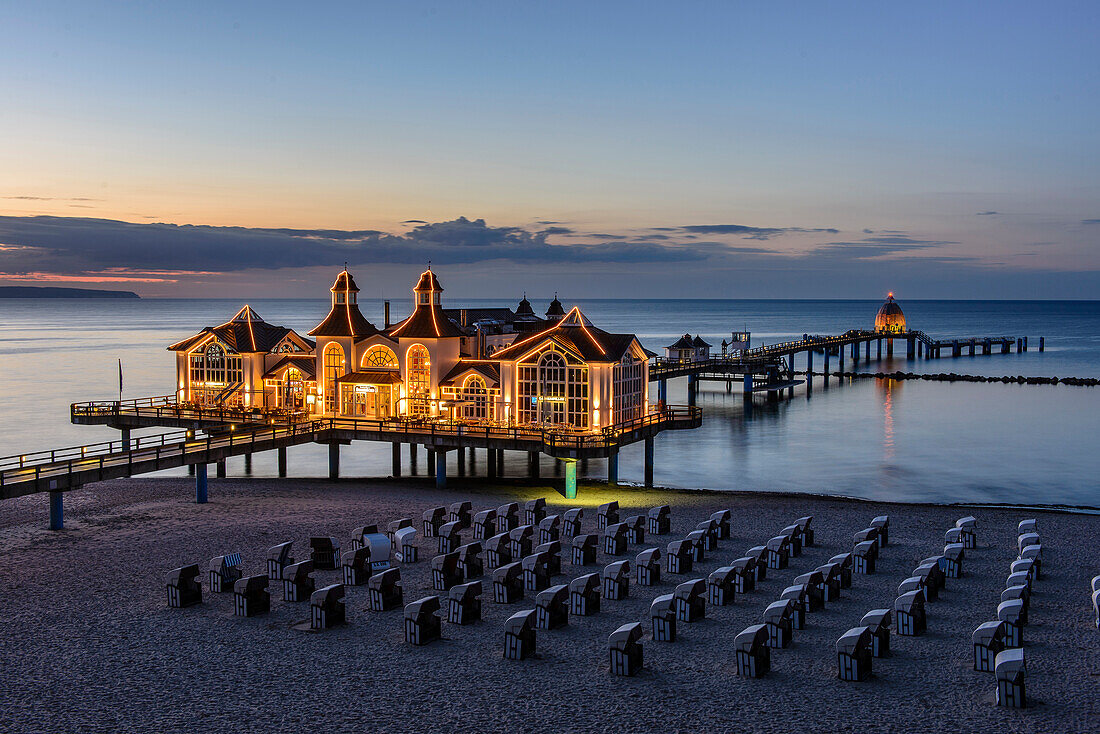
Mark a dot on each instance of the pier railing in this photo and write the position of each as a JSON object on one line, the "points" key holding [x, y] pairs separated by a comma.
{"points": [[35, 466], [167, 406], [94, 462], [555, 437]]}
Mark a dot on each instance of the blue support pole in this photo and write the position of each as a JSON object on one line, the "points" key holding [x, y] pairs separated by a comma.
{"points": [[334, 461], [691, 389], [662, 391], [440, 469], [649, 462], [125, 438], [809, 371], [880, 349], [570, 479], [613, 468], [825, 379], [200, 484], [57, 515], [746, 387]]}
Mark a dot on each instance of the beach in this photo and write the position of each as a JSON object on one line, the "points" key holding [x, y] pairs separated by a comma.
{"points": [[89, 643]]}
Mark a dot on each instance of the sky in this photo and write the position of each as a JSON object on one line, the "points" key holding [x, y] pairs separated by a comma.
{"points": [[613, 149]]}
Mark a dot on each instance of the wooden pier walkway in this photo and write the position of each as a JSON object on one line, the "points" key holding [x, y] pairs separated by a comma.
{"points": [[60, 470], [770, 368]]}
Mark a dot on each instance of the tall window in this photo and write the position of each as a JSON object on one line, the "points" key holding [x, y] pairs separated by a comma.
{"points": [[212, 371], [554, 389], [215, 367], [476, 406], [418, 371], [629, 391], [379, 356], [334, 369]]}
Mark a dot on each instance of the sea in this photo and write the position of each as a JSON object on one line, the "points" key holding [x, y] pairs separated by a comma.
{"points": [[906, 441]]}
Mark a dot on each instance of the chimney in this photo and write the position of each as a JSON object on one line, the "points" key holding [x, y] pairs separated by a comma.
{"points": [[462, 314], [387, 314]]}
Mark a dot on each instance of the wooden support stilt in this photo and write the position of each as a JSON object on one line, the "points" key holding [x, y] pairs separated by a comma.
{"points": [[395, 459], [334, 461], [649, 462], [200, 483], [440, 469], [282, 462], [57, 511]]}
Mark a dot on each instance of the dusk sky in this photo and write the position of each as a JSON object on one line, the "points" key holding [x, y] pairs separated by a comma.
{"points": [[720, 150]]}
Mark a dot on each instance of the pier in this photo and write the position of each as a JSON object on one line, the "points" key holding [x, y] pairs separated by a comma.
{"points": [[770, 369], [59, 470]]}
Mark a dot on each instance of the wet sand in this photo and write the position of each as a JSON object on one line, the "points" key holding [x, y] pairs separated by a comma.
{"points": [[88, 643]]}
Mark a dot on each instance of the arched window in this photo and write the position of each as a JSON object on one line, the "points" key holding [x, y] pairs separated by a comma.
{"points": [[215, 363], [334, 369], [212, 370], [379, 356], [476, 406], [419, 378]]}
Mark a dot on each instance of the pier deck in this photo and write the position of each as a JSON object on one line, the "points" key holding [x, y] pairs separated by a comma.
{"points": [[63, 469]]}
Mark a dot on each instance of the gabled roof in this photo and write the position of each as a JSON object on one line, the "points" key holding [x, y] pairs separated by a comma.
{"points": [[698, 342], [306, 365], [245, 332], [576, 333], [489, 370]]}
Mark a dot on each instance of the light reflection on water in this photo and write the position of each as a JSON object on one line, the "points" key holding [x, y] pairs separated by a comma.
{"points": [[907, 441]]}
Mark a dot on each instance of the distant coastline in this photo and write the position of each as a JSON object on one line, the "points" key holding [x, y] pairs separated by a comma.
{"points": [[33, 291]]}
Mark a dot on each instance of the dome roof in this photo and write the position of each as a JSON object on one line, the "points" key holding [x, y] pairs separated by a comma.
{"points": [[344, 282], [890, 308], [524, 307], [890, 316], [428, 282], [555, 307]]}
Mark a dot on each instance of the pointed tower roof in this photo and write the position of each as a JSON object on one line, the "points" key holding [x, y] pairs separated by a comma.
{"points": [[555, 310], [524, 310], [344, 318], [427, 320]]}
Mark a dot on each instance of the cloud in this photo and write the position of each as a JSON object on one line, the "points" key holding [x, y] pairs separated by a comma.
{"points": [[557, 230], [72, 245], [49, 198], [986, 214], [742, 230], [1090, 221], [414, 221]]}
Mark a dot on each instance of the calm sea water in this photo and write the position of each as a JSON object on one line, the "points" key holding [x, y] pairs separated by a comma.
{"points": [[908, 441]]}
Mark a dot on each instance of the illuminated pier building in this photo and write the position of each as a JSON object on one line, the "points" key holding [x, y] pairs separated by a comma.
{"points": [[490, 365]]}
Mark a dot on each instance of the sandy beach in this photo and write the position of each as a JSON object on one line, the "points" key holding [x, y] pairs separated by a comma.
{"points": [[90, 645]]}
